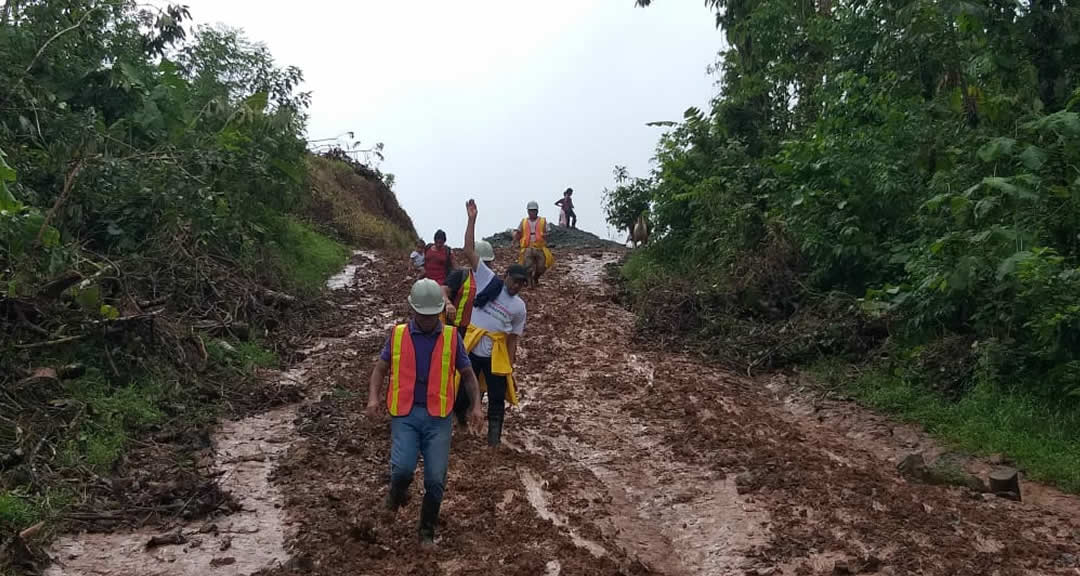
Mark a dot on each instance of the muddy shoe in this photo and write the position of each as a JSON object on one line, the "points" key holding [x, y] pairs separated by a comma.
{"points": [[427, 542], [494, 433], [398, 496], [429, 518]]}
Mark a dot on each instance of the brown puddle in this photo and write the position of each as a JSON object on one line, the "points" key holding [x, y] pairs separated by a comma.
{"points": [[241, 543]]}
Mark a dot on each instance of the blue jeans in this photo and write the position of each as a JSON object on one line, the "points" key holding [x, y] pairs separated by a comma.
{"points": [[415, 434]]}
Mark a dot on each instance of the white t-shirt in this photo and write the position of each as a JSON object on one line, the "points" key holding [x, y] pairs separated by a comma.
{"points": [[417, 259], [504, 314], [532, 230]]}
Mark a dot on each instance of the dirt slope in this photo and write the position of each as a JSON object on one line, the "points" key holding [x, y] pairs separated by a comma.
{"points": [[623, 460], [356, 203]]}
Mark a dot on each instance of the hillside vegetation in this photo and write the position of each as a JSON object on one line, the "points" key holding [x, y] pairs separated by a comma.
{"points": [[157, 222], [357, 203], [892, 186]]}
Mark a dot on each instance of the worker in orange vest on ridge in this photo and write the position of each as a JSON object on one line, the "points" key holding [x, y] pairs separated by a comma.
{"points": [[533, 251], [423, 359]]}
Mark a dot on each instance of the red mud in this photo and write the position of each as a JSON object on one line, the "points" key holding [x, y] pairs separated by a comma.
{"points": [[623, 461]]}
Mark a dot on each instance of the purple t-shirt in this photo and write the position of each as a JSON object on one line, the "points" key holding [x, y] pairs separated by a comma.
{"points": [[424, 345]]}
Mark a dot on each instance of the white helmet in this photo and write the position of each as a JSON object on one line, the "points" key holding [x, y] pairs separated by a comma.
{"points": [[485, 251], [533, 205], [426, 297]]}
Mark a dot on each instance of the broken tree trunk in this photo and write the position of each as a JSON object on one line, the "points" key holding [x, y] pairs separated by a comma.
{"points": [[55, 287], [1005, 482]]}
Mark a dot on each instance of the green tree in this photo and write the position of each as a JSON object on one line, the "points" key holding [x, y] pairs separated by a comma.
{"points": [[921, 154]]}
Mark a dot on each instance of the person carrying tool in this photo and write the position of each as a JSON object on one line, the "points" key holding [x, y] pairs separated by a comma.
{"points": [[567, 217], [437, 259], [425, 360], [498, 321], [533, 251], [459, 292]]}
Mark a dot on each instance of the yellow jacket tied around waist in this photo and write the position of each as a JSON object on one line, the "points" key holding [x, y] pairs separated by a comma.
{"points": [[500, 360]]}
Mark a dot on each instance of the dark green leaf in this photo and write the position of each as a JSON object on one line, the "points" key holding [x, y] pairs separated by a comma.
{"points": [[1009, 265], [1033, 157], [995, 149]]}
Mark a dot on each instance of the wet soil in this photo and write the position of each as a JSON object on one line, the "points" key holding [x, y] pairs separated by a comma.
{"points": [[619, 460]]}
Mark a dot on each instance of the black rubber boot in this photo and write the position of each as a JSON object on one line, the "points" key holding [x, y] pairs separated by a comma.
{"points": [[429, 520], [494, 432], [398, 496]]}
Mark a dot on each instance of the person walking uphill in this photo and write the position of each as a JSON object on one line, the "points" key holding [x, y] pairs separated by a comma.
{"points": [[424, 360], [437, 259], [498, 321], [533, 252]]}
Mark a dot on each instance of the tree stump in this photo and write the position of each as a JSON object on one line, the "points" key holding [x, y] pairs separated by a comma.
{"points": [[1005, 482]]}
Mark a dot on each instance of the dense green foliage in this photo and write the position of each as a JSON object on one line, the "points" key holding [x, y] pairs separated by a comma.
{"points": [[152, 185], [920, 155], [123, 136]]}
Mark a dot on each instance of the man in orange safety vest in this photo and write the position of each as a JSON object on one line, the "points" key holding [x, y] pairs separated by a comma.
{"points": [[533, 251], [422, 358]]}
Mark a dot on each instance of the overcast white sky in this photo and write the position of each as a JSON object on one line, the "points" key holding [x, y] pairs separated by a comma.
{"points": [[503, 101]]}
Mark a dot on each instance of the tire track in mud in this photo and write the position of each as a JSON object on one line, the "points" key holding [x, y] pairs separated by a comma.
{"points": [[580, 383]]}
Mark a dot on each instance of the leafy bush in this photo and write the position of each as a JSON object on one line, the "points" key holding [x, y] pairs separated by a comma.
{"points": [[923, 156], [152, 185]]}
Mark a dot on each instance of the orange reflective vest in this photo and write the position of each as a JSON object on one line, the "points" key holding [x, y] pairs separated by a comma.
{"points": [[541, 225], [464, 305], [441, 388]]}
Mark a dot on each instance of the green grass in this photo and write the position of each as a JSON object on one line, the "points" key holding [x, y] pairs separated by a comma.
{"points": [[113, 414], [20, 510], [305, 258], [1043, 440], [16, 511], [241, 355]]}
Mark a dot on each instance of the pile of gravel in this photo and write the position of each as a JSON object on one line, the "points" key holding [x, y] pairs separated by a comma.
{"points": [[560, 237]]}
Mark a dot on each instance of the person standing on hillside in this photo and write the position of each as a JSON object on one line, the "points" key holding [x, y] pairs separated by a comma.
{"points": [[460, 289], [438, 259], [498, 322], [566, 203], [533, 251], [417, 256], [425, 360]]}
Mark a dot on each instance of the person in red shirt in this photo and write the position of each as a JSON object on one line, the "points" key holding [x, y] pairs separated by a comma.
{"points": [[437, 259]]}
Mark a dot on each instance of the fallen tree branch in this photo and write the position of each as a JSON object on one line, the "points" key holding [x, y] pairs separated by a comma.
{"points": [[69, 183], [58, 341], [53, 288]]}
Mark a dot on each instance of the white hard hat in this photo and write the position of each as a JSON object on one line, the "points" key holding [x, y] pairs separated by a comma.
{"points": [[533, 205], [426, 297], [485, 251]]}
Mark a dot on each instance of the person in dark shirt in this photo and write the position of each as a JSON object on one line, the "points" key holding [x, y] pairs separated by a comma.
{"points": [[437, 259], [567, 205]]}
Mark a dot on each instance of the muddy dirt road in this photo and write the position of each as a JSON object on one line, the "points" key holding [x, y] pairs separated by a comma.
{"points": [[619, 460]]}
